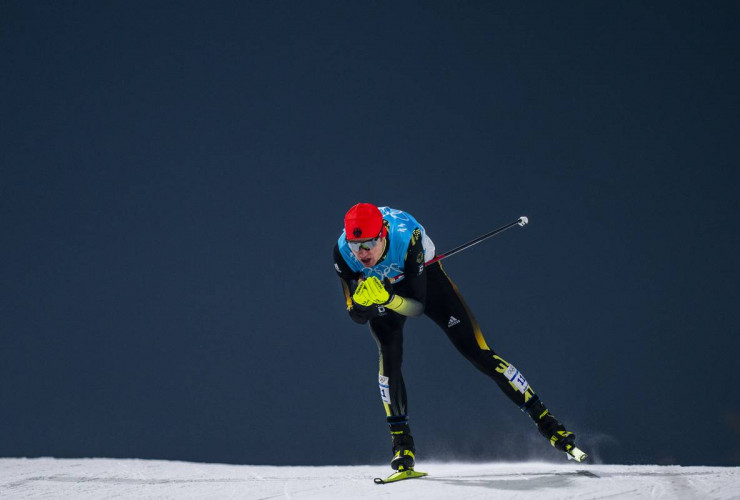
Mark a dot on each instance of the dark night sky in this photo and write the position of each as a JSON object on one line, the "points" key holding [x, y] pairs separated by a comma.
{"points": [[174, 176]]}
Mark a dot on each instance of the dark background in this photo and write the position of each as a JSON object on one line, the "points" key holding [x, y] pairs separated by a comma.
{"points": [[174, 176]]}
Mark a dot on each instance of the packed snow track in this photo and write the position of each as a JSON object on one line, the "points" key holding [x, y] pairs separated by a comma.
{"points": [[142, 479]]}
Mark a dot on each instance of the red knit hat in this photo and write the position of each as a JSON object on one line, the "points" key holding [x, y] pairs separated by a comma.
{"points": [[363, 221]]}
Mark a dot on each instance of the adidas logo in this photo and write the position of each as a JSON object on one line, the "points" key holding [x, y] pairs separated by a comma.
{"points": [[453, 321]]}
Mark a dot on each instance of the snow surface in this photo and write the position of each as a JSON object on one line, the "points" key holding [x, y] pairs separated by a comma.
{"points": [[142, 479]]}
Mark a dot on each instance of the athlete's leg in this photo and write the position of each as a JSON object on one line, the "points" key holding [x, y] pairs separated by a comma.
{"points": [[447, 308], [388, 333]]}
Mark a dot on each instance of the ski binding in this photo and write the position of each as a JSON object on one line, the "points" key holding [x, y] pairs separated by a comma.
{"points": [[400, 476]]}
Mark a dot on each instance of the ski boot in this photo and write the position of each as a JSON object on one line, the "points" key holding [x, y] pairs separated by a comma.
{"points": [[403, 459], [403, 443], [403, 451], [554, 431]]}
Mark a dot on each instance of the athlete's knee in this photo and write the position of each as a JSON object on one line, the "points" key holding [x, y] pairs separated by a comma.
{"points": [[391, 353]]}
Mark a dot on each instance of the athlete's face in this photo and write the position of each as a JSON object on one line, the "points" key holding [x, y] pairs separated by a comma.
{"points": [[369, 257]]}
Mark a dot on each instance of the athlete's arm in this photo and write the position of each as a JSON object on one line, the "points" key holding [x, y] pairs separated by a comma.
{"points": [[409, 295], [349, 279]]}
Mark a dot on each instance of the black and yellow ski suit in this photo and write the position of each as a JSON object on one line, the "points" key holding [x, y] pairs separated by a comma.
{"points": [[442, 302]]}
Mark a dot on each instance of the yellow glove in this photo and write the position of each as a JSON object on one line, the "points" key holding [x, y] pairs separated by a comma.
{"points": [[372, 291], [376, 291], [361, 295]]}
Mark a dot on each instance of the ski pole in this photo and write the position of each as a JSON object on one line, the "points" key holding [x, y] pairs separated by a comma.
{"points": [[521, 221]]}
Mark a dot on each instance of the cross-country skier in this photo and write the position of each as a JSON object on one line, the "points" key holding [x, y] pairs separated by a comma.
{"points": [[380, 244]]}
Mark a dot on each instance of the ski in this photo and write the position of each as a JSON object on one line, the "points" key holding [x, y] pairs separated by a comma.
{"points": [[576, 454], [400, 476]]}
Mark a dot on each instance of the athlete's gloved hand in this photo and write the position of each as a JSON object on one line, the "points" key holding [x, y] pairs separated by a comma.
{"points": [[374, 291], [361, 295], [362, 309]]}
